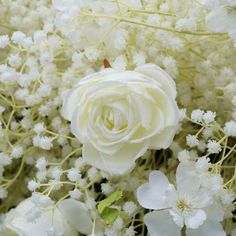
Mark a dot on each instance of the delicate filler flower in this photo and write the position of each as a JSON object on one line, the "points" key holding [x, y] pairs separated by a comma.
{"points": [[119, 115], [190, 204], [68, 217]]}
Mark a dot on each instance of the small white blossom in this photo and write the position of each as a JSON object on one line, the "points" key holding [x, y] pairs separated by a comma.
{"points": [[75, 194], [17, 152], [213, 146], [73, 175], [92, 54], [92, 173], [207, 132], [203, 163], [2, 109], [230, 128], [182, 114], [39, 128], [14, 60], [183, 156], [106, 188], [192, 140], [18, 37], [41, 163], [56, 173], [4, 41], [130, 208], [33, 185], [3, 193], [120, 63], [197, 115], [209, 117], [41, 175], [118, 223], [79, 163], [139, 58], [43, 142], [130, 231]]}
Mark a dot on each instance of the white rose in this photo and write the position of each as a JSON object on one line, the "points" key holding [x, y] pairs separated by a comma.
{"points": [[117, 116], [69, 217]]}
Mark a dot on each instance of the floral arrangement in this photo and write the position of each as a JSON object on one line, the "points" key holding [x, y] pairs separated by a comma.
{"points": [[117, 117]]}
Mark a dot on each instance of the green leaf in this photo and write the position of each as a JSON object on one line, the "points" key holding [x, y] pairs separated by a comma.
{"points": [[109, 215], [109, 201]]}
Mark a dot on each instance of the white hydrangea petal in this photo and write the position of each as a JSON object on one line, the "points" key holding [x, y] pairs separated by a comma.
{"points": [[158, 74], [177, 218], [77, 215], [194, 220], [160, 223], [120, 162], [185, 177], [215, 212], [152, 194], [208, 228]]}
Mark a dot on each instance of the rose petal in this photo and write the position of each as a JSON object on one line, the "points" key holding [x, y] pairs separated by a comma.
{"points": [[119, 163], [155, 72]]}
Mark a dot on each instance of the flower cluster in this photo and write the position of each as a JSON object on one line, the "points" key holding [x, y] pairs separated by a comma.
{"points": [[97, 95], [197, 204]]}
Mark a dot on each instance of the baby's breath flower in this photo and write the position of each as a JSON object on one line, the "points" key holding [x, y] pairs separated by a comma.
{"points": [[3, 193], [192, 140], [130, 208], [73, 175], [33, 185], [39, 128], [230, 128], [213, 146], [106, 188], [75, 194], [17, 152], [4, 40], [209, 117], [41, 163], [197, 115]]}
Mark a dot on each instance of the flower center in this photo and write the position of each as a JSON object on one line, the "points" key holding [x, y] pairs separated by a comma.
{"points": [[113, 119], [183, 205]]}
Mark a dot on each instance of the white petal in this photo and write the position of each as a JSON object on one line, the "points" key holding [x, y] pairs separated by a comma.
{"points": [[164, 139], [77, 215], [160, 223], [218, 20], [158, 74], [185, 177], [74, 96], [209, 228], [177, 218], [152, 195], [196, 219], [215, 212], [120, 162], [16, 222], [156, 126]]}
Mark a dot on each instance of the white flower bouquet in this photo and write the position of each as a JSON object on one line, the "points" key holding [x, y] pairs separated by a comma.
{"points": [[117, 117]]}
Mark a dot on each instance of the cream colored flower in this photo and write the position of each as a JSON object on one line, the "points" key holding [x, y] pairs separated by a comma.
{"points": [[117, 116]]}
